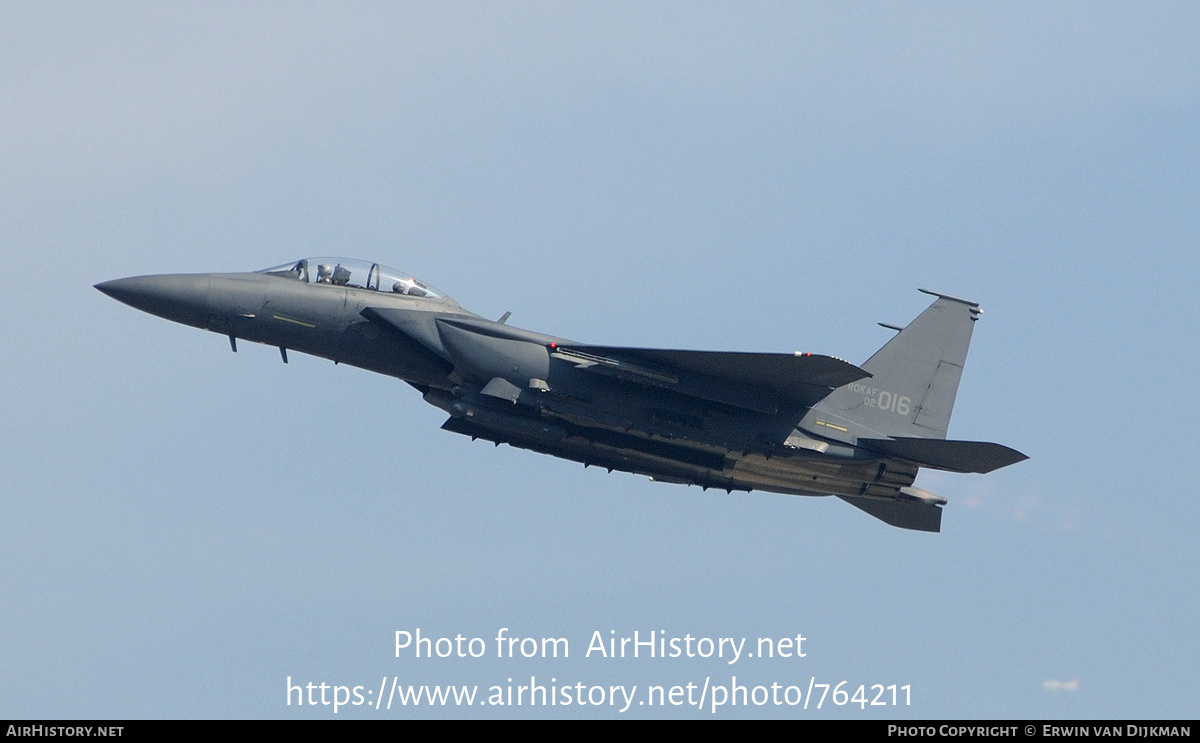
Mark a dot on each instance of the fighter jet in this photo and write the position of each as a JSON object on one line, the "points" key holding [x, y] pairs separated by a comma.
{"points": [[795, 423]]}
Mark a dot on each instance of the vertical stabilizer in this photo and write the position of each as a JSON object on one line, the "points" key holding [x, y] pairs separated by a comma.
{"points": [[914, 379]]}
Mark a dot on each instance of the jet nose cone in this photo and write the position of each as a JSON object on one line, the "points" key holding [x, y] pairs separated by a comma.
{"points": [[118, 289], [179, 297]]}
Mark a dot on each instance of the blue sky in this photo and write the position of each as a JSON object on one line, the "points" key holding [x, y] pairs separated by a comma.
{"points": [[182, 528]]}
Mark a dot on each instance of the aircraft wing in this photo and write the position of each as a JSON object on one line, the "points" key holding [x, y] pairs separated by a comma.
{"points": [[755, 381]]}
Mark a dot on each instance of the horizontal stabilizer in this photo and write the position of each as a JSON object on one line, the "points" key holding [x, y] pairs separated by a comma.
{"points": [[943, 454], [796, 377], [906, 514]]}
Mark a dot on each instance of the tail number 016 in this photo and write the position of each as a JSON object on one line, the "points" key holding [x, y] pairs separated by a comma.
{"points": [[889, 402]]}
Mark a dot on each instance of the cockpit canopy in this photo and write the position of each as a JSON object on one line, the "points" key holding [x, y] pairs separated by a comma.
{"points": [[355, 273]]}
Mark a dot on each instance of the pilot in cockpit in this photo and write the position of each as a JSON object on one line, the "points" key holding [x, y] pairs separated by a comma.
{"points": [[411, 288], [324, 273]]}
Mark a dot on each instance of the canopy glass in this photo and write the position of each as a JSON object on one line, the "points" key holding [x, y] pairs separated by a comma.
{"points": [[355, 273]]}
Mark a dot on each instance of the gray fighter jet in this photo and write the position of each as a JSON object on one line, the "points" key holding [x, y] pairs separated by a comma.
{"points": [[796, 423]]}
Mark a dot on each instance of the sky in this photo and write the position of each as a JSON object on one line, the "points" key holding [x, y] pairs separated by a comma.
{"points": [[186, 532]]}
